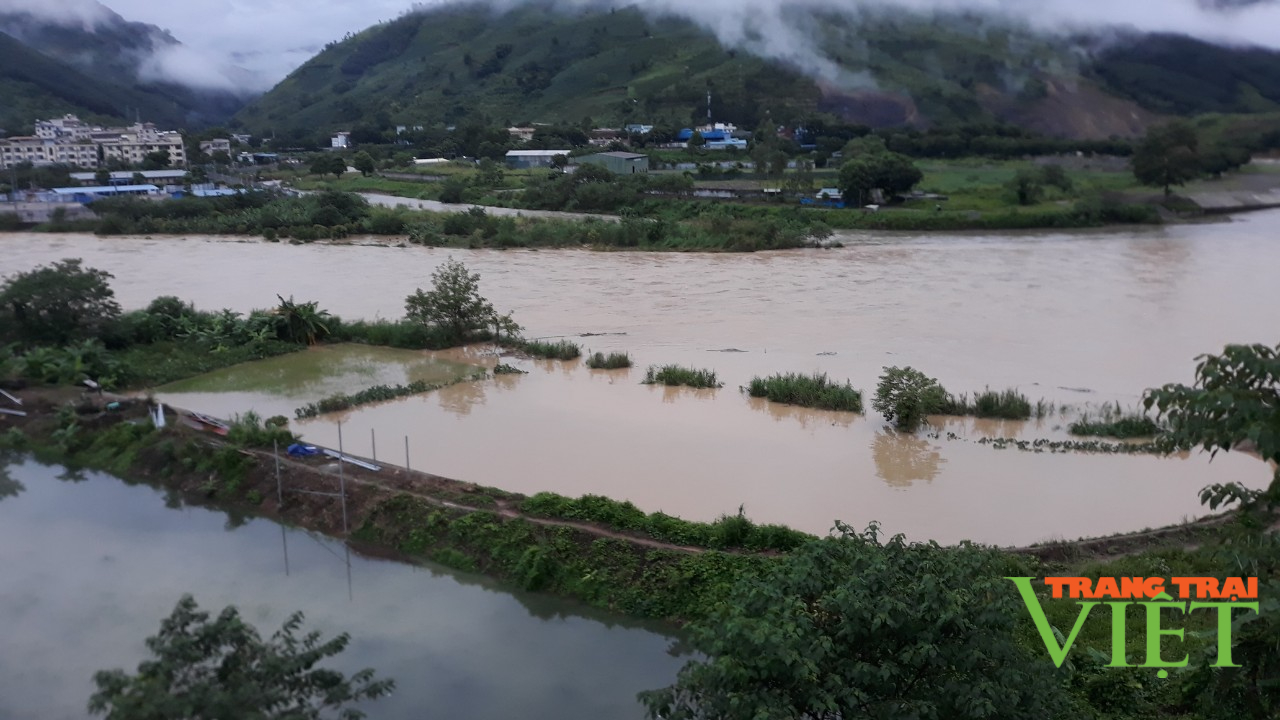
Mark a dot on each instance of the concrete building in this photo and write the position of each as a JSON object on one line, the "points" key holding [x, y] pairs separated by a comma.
{"points": [[602, 137], [638, 129], [621, 163], [523, 134], [340, 141], [89, 194], [125, 177], [525, 159], [209, 147], [70, 141]]}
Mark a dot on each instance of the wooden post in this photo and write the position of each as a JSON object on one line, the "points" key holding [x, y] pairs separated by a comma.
{"points": [[406, 455]]}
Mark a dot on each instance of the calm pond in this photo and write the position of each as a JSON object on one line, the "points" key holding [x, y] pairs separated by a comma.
{"points": [[92, 565], [1080, 319]]}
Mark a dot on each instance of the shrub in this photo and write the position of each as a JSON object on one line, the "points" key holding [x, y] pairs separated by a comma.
{"points": [[505, 369], [814, 391], [905, 396], [672, 375], [1008, 405], [612, 361]]}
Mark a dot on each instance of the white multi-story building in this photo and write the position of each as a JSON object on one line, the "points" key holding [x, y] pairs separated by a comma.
{"points": [[70, 141]]}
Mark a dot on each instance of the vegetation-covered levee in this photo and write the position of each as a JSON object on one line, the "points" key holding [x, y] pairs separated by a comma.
{"points": [[553, 546]]}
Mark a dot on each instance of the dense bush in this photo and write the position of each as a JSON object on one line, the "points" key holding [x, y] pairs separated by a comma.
{"points": [[559, 350]]}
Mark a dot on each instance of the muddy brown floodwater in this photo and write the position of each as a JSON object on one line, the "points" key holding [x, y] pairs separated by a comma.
{"points": [[1075, 318]]}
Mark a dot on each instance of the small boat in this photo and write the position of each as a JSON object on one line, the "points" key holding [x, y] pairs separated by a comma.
{"points": [[210, 423]]}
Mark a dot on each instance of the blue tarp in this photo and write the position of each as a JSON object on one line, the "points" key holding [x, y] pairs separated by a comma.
{"points": [[298, 450]]}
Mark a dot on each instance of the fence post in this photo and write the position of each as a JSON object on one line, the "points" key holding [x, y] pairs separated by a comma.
{"points": [[342, 480], [275, 448], [406, 455], [373, 441]]}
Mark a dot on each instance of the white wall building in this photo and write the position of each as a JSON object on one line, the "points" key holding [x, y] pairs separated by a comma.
{"points": [[70, 141]]}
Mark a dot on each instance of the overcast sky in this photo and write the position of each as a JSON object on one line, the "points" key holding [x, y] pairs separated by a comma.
{"points": [[272, 37]]}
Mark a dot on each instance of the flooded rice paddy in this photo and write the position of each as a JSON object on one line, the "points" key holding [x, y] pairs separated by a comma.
{"points": [[1079, 319]]}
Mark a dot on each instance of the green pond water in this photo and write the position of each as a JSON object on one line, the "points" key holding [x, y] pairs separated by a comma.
{"points": [[279, 385], [93, 564]]}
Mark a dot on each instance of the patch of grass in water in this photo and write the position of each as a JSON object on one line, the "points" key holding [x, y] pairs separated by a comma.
{"points": [[1004, 405], [1131, 426], [559, 350], [814, 391], [672, 375], [612, 361]]}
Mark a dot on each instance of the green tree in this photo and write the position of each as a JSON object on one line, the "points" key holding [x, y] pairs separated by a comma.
{"points": [[1027, 187], [1235, 404], [102, 176], [301, 322], [220, 669], [58, 303], [1167, 156], [363, 162], [453, 304], [696, 140], [490, 174], [156, 160], [906, 396], [329, 164], [891, 172], [849, 628]]}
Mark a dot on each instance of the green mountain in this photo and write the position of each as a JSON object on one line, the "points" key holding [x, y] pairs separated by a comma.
{"points": [[95, 69], [541, 62]]}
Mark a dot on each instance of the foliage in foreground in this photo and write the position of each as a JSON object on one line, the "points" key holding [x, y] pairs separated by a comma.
{"points": [[849, 627], [222, 668], [1235, 401], [673, 375], [814, 391]]}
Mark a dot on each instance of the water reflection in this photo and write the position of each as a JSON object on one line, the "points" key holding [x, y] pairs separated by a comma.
{"points": [[462, 397], [102, 561], [902, 459], [806, 417]]}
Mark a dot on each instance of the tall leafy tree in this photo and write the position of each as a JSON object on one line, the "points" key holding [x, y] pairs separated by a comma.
{"points": [[851, 628], [1169, 155], [56, 304], [454, 303], [363, 162], [222, 669]]}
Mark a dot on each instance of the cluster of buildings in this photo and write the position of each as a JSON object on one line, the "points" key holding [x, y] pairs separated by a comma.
{"points": [[70, 141]]}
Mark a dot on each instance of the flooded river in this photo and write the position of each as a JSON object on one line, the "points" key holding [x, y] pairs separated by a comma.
{"points": [[91, 567], [1080, 319]]}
